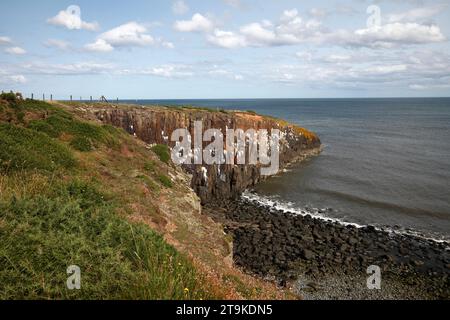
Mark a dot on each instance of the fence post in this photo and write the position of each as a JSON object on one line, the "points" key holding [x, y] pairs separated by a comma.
{"points": [[51, 97], [70, 97], [43, 97], [91, 98], [32, 96]]}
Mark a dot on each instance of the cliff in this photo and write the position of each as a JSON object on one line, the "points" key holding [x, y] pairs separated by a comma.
{"points": [[155, 124], [76, 192]]}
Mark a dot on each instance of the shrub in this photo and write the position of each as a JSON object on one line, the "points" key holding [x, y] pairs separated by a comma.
{"points": [[9, 96], [162, 151]]}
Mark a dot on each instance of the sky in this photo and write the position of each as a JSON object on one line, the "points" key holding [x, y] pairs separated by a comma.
{"points": [[217, 49]]}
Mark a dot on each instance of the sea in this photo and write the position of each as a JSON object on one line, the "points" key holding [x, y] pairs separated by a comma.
{"points": [[385, 161]]}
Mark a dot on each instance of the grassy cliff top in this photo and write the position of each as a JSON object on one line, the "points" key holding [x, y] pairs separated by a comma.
{"points": [[249, 115]]}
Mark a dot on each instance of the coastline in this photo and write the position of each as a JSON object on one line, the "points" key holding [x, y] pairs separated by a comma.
{"points": [[325, 260], [317, 257]]}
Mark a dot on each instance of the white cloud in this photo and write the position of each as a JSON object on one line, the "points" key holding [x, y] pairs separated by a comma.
{"points": [[5, 40], [59, 44], [385, 69], [180, 7], [168, 71], [131, 34], [15, 50], [13, 79], [167, 44], [99, 46], [397, 33], [416, 14], [227, 39], [258, 35], [71, 19], [418, 70], [429, 86], [292, 29], [79, 68], [18, 78], [338, 58], [128, 34], [222, 73], [198, 23]]}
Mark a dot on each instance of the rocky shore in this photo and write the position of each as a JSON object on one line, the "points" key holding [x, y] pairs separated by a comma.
{"points": [[321, 259]]}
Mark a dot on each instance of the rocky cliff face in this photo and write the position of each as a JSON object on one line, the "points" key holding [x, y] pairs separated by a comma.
{"points": [[210, 182]]}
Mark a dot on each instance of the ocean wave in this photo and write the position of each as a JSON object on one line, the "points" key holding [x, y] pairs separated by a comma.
{"points": [[382, 204], [321, 214]]}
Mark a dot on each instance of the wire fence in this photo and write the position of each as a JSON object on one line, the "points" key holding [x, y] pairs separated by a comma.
{"points": [[51, 97]]}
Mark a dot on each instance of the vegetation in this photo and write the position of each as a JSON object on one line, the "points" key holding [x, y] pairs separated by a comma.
{"points": [[165, 180], [84, 136], [53, 214], [150, 166], [73, 192], [42, 235], [22, 148], [197, 108], [162, 151], [11, 97]]}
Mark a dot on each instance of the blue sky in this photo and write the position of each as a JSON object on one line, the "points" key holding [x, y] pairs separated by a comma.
{"points": [[226, 48]]}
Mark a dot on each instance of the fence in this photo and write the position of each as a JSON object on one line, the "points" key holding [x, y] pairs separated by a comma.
{"points": [[101, 99]]}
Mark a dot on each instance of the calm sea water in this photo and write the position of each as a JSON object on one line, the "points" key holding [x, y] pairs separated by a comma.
{"points": [[385, 161]]}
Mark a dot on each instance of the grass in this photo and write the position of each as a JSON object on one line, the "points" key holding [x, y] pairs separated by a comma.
{"points": [[162, 151], [86, 136], [82, 144], [42, 235], [52, 216], [98, 215], [150, 166], [150, 183], [22, 148], [165, 181], [196, 108]]}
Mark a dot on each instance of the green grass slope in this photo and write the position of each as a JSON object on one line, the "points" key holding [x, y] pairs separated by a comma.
{"points": [[54, 214]]}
